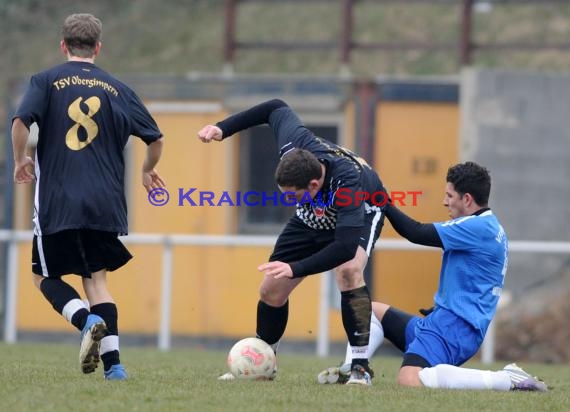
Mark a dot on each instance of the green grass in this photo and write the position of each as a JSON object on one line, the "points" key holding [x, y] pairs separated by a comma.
{"points": [[42, 377]]}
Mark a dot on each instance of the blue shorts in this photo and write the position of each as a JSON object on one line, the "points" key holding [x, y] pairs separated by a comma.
{"points": [[442, 338]]}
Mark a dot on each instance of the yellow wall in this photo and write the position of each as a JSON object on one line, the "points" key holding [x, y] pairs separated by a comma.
{"points": [[415, 145]]}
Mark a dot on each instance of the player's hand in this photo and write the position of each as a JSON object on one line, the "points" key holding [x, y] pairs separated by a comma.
{"points": [[276, 269], [209, 133], [152, 180], [23, 171]]}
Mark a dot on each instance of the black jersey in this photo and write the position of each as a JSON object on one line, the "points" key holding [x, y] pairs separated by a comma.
{"points": [[85, 117], [346, 173]]}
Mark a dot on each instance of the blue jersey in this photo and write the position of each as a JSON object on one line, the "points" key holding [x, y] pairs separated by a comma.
{"points": [[473, 269], [85, 117]]}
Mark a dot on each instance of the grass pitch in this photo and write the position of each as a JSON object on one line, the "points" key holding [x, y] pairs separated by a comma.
{"points": [[46, 377]]}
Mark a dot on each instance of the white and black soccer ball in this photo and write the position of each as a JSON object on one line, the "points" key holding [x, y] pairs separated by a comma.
{"points": [[252, 358]]}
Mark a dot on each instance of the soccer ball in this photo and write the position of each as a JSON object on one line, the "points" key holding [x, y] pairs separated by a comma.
{"points": [[252, 358]]}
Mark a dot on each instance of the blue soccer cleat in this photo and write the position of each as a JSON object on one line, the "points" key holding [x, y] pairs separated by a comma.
{"points": [[116, 373]]}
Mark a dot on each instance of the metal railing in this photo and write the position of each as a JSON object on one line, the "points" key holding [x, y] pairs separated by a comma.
{"points": [[464, 43]]}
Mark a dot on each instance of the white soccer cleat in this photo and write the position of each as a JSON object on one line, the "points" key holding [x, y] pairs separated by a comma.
{"points": [[522, 381], [335, 374]]}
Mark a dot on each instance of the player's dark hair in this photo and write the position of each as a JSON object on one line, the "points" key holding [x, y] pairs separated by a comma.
{"points": [[297, 168], [469, 177], [81, 33]]}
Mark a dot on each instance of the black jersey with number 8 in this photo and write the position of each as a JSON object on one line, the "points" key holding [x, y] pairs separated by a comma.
{"points": [[85, 117]]}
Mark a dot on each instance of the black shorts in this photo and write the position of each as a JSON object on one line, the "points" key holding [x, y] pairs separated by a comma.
{"points": [[298, 241], [79, 251]]}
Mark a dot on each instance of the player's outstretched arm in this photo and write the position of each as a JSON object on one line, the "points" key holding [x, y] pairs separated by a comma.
{"points": [[209, 133], [254, 116], [416, 232]]}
